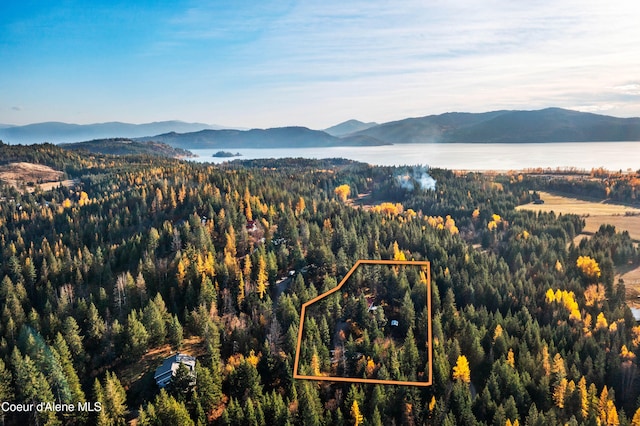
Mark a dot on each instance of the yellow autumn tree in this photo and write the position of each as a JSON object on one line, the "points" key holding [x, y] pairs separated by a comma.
{"points": [[558, 266], [240, 297], [300, 206], [558, 367], [356, 415], [584, 398], [262, 278], [370, 367], [594, 295], [388, 209], [511, 359], [450, 224], [432, 404], [550, 296], [589, 267], [343, 192], [253, 359], [315, 364], [636, 418], [546, 364], [601, 322], [84, 199], [181, 272], [397, 253], [498, 332], [559, 393], [461, 371], [230, 251]]}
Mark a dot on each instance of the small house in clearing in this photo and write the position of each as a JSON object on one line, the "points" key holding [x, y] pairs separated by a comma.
{"points": [[168, 369]]}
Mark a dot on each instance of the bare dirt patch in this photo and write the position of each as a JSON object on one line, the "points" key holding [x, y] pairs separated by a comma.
{"points": [[137, 377], [28, 175]]}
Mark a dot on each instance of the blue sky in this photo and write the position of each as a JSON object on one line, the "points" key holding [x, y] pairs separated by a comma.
{"points": [[312, 63]]}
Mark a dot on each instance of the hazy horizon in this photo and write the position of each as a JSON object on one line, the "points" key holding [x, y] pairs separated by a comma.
{"points": [[279, 63]]}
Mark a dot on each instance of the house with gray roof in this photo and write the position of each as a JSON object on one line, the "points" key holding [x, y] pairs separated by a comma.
{"points": [[168, 369]]}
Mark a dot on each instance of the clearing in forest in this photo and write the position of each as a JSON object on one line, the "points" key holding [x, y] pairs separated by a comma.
{"points": [[624, 218], [373, 327], [28, 175]]}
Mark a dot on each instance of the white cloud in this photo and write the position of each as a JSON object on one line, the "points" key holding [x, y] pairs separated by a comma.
{"points": [[628, 89]]}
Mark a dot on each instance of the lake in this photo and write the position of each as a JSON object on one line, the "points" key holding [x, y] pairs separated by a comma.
{"points": [[464, 156]]}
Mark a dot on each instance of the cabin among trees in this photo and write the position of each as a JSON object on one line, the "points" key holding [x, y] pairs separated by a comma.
{"points": [[170, 366]]}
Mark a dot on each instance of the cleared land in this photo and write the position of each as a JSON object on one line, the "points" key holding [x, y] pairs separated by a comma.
{"points": [[28, 175], [624, 218]]}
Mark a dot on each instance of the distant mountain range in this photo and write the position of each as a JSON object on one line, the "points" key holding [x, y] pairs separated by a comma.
{"points": [[348, 127], [123, 146], [546, 125], [279, 137], [56, 132]]}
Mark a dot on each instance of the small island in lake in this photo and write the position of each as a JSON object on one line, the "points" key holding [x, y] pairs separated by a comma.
{"points": [[225, 154]]}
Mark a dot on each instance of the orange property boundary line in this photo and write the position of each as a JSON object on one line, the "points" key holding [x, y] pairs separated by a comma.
{"points": [[426, 264]]}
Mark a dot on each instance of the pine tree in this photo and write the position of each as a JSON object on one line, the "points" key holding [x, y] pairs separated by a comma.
{"points": [[31, 386], [63, 355], [71, 334], [175, 332], [181, 384], [115, 399], [94, 325], [154, 323], [137, 336], [6, 389], [309, 405], [209, 390], [169, 411]]}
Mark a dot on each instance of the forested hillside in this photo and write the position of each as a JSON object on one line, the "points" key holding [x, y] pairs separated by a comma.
{"points": [[146, 255]]}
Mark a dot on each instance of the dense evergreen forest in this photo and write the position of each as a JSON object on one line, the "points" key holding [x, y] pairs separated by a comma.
{"points": [[145, 255]]}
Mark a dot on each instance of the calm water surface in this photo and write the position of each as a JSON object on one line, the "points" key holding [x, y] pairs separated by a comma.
{"points": [[581, 155]]}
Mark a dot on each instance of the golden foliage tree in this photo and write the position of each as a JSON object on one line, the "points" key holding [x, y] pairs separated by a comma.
{"points": [[594, 295], [300, 206], [546, 364], [498, 332], [343, 192], [589, 267], [635, 421], [559, 393], [356, 415], [461, 371], [601, 322], [511, 359], [584, 398], [397, 253], [262, 278], [388, 209]]}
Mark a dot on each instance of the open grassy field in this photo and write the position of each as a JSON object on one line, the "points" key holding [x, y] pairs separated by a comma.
{"points": [[27, 175], [624, 218]]}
